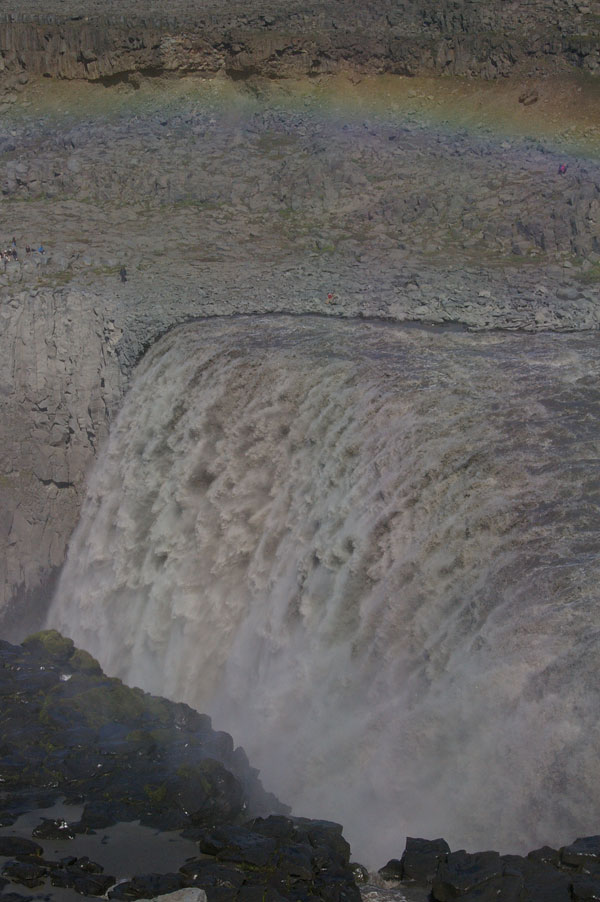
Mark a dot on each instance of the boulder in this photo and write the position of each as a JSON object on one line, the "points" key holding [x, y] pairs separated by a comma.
{"points": [[545, 855], [544, 875], [281, 857], [583, 854], [463, 873], [15, 845], [542, 881], [583, 889], [392, 870], [53, 829], [147, 886], [422, 857], [28, 873]]}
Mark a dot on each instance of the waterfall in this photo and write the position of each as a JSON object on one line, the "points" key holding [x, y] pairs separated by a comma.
{"points": [[370, 552]]}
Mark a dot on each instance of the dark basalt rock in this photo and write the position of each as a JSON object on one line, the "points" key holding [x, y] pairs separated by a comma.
{"points": [[83, 881], [545, 875], [540, 881], [280, 857], [422, 857], [14, 845], [462, 873], [360, 872], [545, 855], [207, 874], [583, 854], [26, 872], [84, 876], [238, 844], [68, 730], [584, 889], [147, 886], [128, 755], [392, 870], [53, 829]]}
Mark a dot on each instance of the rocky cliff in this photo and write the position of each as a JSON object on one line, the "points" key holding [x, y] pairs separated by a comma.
{"points": [[59, 382], [465, 37]]}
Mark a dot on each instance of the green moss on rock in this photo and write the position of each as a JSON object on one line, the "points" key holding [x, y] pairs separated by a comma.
{"points": [[51, 642], [83, 660]]}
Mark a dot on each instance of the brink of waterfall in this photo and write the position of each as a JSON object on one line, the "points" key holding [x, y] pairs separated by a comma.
{"points": [[370, 553]]}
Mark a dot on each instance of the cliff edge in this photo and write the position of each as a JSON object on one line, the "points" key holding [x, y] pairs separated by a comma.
{"points": [[108, 41]]}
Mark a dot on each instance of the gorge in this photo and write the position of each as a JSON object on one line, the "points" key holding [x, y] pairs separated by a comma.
{"points": [[325, 457]]}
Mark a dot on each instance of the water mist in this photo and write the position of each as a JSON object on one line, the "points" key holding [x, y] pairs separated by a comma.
{"points": [[370, 553]]}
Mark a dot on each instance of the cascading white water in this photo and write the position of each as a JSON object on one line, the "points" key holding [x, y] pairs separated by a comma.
{"points": [[371, 553]]}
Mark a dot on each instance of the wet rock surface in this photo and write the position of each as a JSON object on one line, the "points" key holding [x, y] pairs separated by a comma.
{"points": [[69, 731], [268, 858], [69, 728], [544, 875]]}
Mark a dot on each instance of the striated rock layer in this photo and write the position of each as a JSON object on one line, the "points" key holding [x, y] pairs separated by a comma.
{"points": [[107, 41], [59, 382]]}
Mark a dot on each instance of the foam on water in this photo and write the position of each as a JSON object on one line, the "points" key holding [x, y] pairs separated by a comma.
{"points": [[371, 553]]}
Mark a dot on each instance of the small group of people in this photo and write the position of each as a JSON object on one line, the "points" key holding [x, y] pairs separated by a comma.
{"points": [[11, 253]]}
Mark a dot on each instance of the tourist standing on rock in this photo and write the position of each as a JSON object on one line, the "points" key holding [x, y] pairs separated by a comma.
{"points": [[123, 274]]}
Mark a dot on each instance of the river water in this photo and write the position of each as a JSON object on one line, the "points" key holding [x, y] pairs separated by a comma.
{"points": [[370, 552]]}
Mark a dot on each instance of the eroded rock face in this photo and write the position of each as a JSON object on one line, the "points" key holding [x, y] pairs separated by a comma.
{"points": [[55, 401], [469, 38]]}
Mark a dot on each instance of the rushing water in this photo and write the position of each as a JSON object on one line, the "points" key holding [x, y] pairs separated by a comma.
{"points": [[371, 553]]}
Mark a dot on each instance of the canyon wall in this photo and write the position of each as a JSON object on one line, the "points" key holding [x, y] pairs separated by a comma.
{"points": [[465, 37], [58, 383]]}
